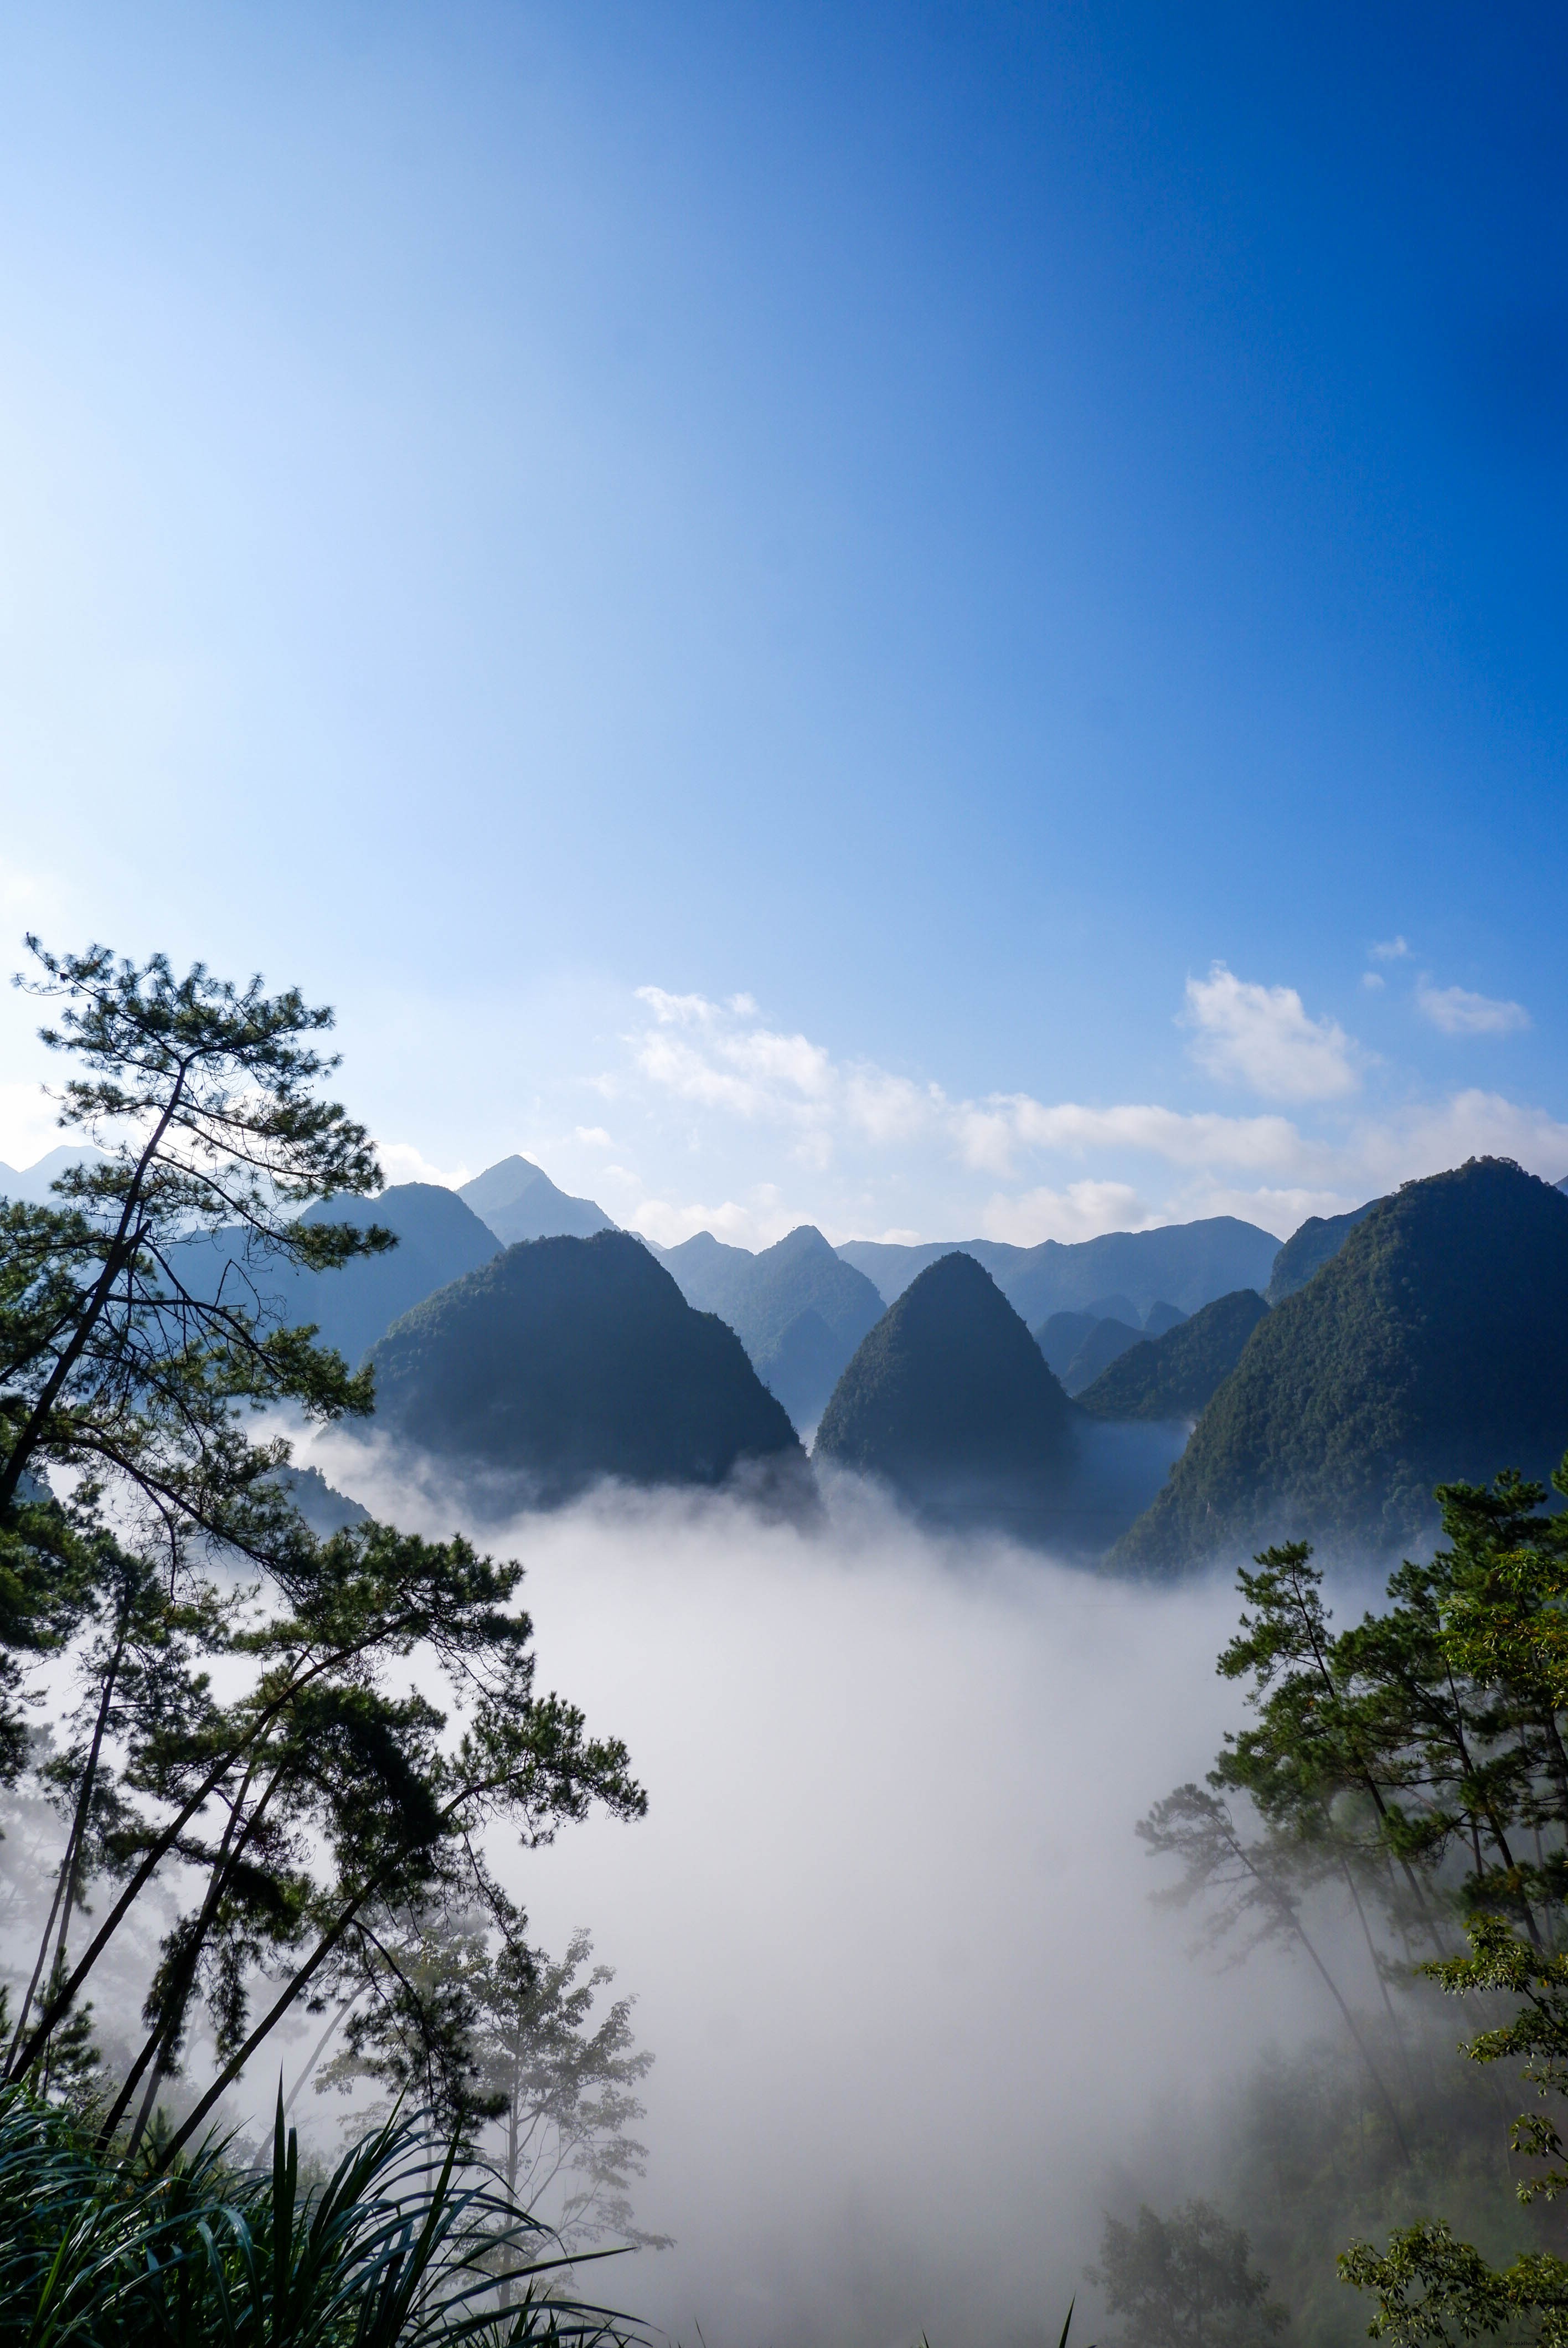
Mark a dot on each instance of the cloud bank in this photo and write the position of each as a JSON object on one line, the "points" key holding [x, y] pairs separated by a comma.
{"points": [[886, 1921], [835, 1135]]}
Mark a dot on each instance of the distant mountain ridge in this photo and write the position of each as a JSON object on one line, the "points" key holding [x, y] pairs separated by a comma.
{"points": [[1185, 1265], [799, 1311], [30, 1184], [439, 1239], [1309, 1247]]}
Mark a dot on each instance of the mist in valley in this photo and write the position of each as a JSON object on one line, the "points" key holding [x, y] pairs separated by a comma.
{"points": [[916, 2023]]}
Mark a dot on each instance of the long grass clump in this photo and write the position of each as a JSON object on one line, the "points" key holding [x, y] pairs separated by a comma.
{"points": [[399, 2245]]}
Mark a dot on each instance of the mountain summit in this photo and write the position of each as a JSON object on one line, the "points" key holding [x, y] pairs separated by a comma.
{"points": [[950, 1402], [518, 1202], [565, 1361], [1433, 1346]]}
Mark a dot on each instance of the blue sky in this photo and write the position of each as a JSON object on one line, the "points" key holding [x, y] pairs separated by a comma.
{"points": [[933, 618]]}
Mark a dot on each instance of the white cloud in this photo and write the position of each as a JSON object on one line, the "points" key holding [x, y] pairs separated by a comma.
{"points": [[1180, 1137], [594, 1136], [1266, 1168], [1081, 1212], [401, 1162], [697, 1052], [27, 1128], [669, 1222], [705, 1053], [1459, 1013], [1261, 1036], [1373, 980], [1390, 950]]}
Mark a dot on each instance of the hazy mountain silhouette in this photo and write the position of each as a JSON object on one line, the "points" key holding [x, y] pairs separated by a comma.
{"points": [[950, 1401], [323, 1508], [797, 1309], [439, 1239], [1175, 1374], [567, 1360], [1096, 1352], [1433, 1346], [30, 1184], [1059, 1335], [518, 1202], [1187, 1264], [1309, 1246], [1161, 1317]]}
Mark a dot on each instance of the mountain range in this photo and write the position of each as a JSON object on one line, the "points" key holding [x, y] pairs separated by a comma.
{"points": [[1185, 1265], [1176, 1375], [439, 1239], [1421, 1336]]}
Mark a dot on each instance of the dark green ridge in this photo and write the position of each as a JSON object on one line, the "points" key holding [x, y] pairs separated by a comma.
{"points": [[1433, 1346], [566, 1361], [1175, 1376]]}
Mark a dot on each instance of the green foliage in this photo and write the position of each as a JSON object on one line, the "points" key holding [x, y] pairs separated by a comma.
{"points": [[1185, 2282], [256, 1749], [1436, 1339], [1308, 2159], [513, 2052], [397, 2246], [111, 1365], [951, 1400], [1176, 1375], [1418, 1756], [566, 1360], [350, 1305]]}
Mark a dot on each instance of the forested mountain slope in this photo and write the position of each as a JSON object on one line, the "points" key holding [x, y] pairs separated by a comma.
{"points": [[950, 1401], [1103, 1344], [1176, 1375], [567, 1360], [1310, 1245], [1433, 1346]]}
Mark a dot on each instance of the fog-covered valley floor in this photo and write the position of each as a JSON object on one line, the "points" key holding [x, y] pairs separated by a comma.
{"points": [[915, 2018]]}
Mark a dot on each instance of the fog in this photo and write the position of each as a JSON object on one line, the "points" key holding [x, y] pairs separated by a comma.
{"points": [[886, 1921]]}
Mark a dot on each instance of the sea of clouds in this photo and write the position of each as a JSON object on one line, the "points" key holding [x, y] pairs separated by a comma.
{"points": [[917, 2021]]}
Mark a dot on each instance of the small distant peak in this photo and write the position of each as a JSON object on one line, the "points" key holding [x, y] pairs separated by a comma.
{"points": [[503, 1184], [804, 1241]]}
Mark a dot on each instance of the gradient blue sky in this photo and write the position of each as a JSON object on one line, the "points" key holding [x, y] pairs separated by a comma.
{"points": [[841, 612]]}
